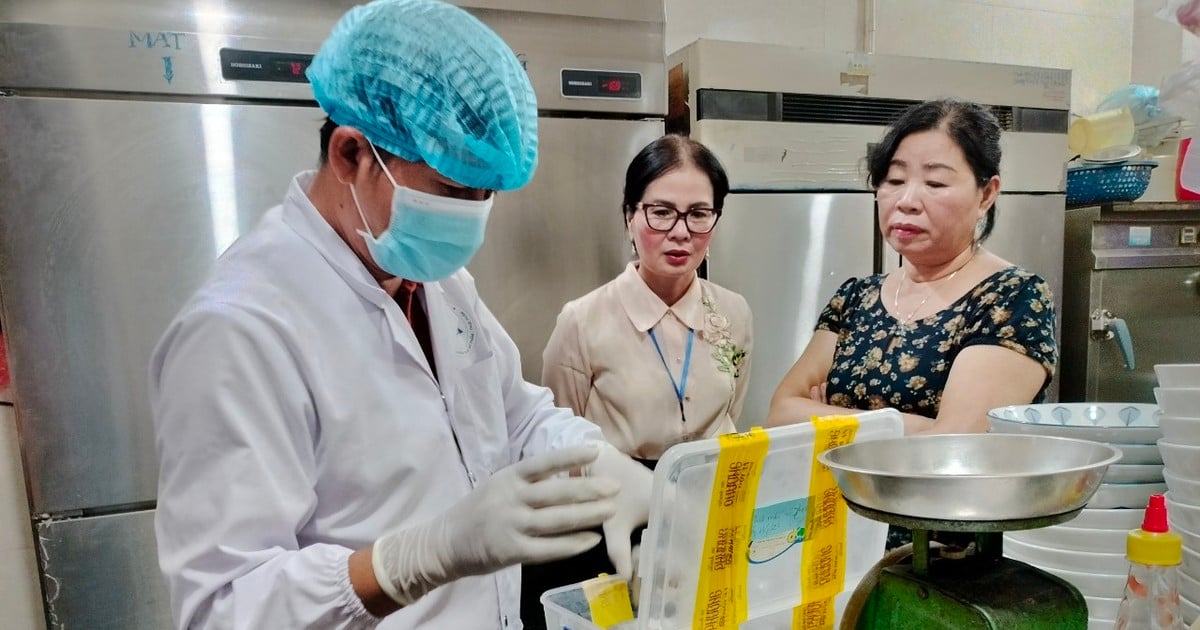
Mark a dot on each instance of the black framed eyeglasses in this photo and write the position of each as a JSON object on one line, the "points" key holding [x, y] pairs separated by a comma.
{"points": [[662, 218]]}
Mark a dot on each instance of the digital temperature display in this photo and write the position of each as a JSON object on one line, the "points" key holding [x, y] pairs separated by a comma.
{"points": [[601, 84]]}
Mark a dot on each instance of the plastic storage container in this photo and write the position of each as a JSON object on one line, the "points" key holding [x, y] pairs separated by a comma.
{"points": [[673, 545]]}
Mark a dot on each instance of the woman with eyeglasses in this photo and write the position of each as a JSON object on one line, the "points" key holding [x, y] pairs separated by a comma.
{"points": [[657, 356]]}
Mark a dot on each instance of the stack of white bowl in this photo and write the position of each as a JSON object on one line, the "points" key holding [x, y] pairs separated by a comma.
{"points": [[1178, 395], [1089, 550]]}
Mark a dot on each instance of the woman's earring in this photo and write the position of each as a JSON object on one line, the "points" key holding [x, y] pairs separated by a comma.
{"points": [[633, 248]]}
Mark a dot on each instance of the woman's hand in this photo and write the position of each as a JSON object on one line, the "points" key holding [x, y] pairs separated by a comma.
{"points": [[817, 393]]}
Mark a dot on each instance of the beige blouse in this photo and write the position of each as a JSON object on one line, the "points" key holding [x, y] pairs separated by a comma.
{"points": [[601, 362]]}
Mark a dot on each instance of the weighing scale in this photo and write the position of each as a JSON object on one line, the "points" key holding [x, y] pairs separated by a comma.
{"points": [[973, 489]]}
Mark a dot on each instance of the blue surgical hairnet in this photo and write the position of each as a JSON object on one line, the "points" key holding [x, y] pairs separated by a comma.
{"points": [[428, 82]]}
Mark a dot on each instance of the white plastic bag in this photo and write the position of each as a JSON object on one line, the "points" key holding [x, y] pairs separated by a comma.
{"points": [[1185, 13], [1180, 92]]}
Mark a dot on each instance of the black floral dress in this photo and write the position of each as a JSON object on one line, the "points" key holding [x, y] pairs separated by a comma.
{"points": [[879, 362]]}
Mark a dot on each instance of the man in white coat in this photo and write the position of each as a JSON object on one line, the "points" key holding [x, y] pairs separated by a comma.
{"points": [[344, 435]]}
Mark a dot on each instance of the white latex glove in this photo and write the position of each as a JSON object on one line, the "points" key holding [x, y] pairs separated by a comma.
{"points": [[525, 513], [633, 503]]}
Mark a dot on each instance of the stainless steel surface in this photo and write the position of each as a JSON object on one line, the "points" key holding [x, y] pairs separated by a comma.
{"points": [[563, 235], [112, 215], [102, 573], [978, 477], [1162, 312], [129, 163], [828, 156], [174, 47], [1029, 233], [787, 254], [304, 18], [1151, 288]]}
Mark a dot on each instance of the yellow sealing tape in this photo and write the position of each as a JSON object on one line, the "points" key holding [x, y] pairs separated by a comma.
{"points": [[608, 601], [721, 591], [823, 552]]}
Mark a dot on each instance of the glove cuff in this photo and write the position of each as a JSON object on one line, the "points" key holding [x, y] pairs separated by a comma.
{"points": [[406, 562], [383, 548]]}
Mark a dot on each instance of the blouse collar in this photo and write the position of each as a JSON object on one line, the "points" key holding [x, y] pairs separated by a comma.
{"points": [[646, 309]]}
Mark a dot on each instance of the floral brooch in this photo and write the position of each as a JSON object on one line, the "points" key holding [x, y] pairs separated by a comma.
{"points": [[728, 355]]}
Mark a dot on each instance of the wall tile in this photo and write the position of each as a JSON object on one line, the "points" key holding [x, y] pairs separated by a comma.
{"points": [[943, 29], [1097, 49]]}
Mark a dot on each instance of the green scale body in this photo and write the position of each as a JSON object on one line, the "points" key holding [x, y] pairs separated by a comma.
{"points": [[983, 590]]}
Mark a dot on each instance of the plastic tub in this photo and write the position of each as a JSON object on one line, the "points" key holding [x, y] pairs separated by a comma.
{"points": [[1178, 374], [1122, 519], [673, 545], [1125, 495], [1182, 488], [1182, 459], [1074, 538], [1180, 430]]}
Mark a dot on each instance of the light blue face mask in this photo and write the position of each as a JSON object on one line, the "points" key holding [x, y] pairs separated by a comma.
{"points": [[428, 237]]}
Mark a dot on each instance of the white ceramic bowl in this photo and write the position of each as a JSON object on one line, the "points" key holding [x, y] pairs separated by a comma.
{"points": [[1050, 558], [1178, 374], [1179, 401], [1182, 459], [1134, 473], [1114, 423], [1180, 430], [1138, 453], [1118, 519], [1094, 584], [1183, 488], [1125, 495], [1190, 611], [1103, 607], [1189, 587], [1191, 561], [1185, 515], [1074, 538]]}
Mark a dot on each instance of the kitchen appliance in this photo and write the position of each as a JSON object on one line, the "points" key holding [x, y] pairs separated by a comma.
{"points": [[967, 490], [141, 137], [1131, 298], [792, 127]]}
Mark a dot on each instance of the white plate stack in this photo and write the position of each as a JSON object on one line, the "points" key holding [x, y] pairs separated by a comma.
{"points": [[1178, 395], [1089, 550]]}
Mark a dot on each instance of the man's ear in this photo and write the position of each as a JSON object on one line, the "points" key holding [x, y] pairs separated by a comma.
{"points": [[349, 153]]}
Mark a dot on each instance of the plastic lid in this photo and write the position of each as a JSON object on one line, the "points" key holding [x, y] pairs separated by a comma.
{"points": [[1154, 543]]}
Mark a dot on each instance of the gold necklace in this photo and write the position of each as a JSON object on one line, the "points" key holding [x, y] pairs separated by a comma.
{"points": [[903, 275]]}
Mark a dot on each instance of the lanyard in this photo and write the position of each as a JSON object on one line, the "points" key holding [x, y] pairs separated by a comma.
{"points": [[681, 386]]}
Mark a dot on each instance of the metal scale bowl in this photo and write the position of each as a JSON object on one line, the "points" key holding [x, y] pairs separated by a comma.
{"points": [[968, 490]]}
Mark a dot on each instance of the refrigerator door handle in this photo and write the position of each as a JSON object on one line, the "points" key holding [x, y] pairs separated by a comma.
{"points": [[1193, 281], [1105, 326]]}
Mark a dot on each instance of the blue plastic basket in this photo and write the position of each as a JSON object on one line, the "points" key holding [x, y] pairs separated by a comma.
{"points": [[1104, 183]]}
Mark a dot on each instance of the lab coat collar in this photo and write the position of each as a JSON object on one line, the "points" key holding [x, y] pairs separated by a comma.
{"points": [[646, 309], [303, 217]]}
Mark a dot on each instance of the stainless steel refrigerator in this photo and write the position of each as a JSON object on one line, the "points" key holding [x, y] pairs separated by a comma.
{"points": [[141, 137], [793, 126], [1132, 298]]}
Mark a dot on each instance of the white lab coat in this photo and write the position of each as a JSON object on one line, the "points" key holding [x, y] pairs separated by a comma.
{"points": [[297, 420]]}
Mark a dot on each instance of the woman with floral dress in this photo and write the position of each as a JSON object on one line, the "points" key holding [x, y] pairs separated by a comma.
{"points": [[957, 330], [656, 356]]}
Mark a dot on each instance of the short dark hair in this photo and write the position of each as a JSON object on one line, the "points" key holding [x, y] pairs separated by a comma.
{"points": [[666, 154], [973, 128], [327, 133]]}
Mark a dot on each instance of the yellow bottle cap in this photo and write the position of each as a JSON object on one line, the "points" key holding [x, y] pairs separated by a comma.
{"points": [[1153, 543], [1161, 549]]}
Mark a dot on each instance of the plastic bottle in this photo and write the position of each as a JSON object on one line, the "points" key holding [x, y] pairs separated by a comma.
{"points": [[1151, 600]]}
